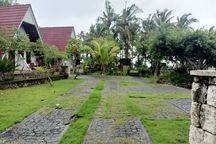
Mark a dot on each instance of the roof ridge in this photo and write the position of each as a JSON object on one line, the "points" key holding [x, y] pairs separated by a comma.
{"points": [[57, 27], [15, 5]]}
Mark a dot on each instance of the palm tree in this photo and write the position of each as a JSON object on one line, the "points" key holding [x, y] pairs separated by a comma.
{"points": [[162, 18], [148, 24], [184, 21], [6, 2], [104, 52], [109, 15], [126, 28], [97, 30]]}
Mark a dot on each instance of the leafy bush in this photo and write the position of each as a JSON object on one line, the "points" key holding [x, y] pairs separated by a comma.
{"points": [[175, 78], [39, 69], [7, 69], [144, 71]]}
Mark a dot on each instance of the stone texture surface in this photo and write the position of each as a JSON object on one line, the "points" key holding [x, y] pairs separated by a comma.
{"points": [[108, 131], [38, 128], [196, 135], [199, 136], [195, 114], [211, 98], [199, 92], [182, 104], [208, 122], [209, 138], [203, 109], [204, 73]]}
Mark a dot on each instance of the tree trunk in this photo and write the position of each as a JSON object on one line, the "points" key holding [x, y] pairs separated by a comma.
{"points": [[126, 53], [156, 70], [74, 66], [103, 68]]}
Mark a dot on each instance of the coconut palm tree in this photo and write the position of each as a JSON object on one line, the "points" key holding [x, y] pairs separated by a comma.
{"points": [[104, 52], [162, 18], [148, 24], [184, 21], [109, 15], [6, 2], [126, 28]]}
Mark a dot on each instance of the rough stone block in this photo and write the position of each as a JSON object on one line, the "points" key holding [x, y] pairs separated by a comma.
{"points": [[212, 81], [195, 114], [203, 73], [211, 96], [199, 92], [209, 138], [208, 118], [196, 135]]}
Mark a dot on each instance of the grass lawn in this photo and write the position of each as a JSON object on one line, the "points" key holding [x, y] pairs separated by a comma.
{"points": [[149, 107], [16, 104], [78, 128], [168, 130]]}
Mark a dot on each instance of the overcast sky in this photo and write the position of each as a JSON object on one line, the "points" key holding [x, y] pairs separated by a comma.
{"points": [[82, 13]]}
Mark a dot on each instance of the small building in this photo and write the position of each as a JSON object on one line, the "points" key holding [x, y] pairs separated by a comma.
{"points": [[57, 36], [20, 17]]}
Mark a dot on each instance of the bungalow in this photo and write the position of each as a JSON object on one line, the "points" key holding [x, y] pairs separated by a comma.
{"points": [[20, 17], [57, 36]]}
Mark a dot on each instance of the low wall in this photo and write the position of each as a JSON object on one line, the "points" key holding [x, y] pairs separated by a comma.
{"points": [[29, 82], [203, 108]]}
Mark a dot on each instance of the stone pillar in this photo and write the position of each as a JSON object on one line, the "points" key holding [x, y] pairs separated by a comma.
{"points": [[203, 107]]}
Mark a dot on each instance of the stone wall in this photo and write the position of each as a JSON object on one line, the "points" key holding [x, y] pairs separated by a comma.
{"points": [[203, 108], [29, 82]]}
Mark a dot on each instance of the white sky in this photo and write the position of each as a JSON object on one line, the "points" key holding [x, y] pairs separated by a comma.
{"points": [[82, 13]]}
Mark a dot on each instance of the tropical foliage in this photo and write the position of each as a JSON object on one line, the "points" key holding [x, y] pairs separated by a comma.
{"points": [[104, 52], [158, 43], [5, 2], [22, 43]]}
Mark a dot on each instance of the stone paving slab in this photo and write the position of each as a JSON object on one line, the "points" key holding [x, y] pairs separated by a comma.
{"points": [[182, 104], [38, 128], [85, 88], [110, 131], [46, 127]]}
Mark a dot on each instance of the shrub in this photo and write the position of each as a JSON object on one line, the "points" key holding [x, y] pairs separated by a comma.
{"points": [[175, 78], [144, 71], [7, 69], [39, 69]]}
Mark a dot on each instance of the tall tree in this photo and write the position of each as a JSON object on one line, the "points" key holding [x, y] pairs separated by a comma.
{"points": [[163, 18], [6, 2], [148, 25], [126, 28], [109, 15], [185, 21]]}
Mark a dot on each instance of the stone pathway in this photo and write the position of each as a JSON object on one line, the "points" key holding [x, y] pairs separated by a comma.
{"points": [[108, 131], [84, 88], [182, 104], [38, 128], [115, 130], [46, 126]]}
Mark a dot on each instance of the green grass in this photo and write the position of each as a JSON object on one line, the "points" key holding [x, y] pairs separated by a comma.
{"points": [[163, 131], [78, 128], [16, 104], [150, 104], [146, 106]]}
